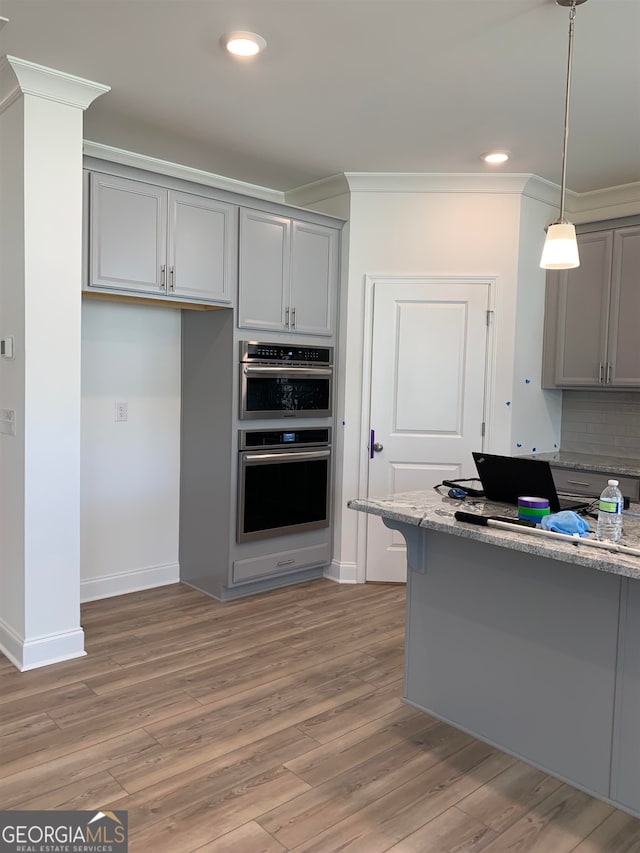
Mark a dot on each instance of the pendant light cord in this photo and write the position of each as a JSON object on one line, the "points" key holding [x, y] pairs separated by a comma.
{"points": [[563, 182]]}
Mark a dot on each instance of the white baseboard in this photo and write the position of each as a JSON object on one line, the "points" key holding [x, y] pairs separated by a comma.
{"points": [[341, 572], [40, 651], [109, 585]]}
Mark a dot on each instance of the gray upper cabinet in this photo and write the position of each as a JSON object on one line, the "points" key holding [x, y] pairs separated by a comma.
{"points": [[288, 274], [591, 315], [624, 313], [150, 241]]}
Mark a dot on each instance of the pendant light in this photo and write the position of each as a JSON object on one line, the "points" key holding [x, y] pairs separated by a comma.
{"points": [[561, 247]]}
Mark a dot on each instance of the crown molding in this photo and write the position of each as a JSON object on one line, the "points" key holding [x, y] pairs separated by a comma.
{"points": [[20, 77], [610, 203], [175, 170], [435, 182], [318, 191], [425, 182]]}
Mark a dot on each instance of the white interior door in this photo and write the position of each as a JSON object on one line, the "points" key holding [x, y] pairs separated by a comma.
{"points": [[428, 367]]}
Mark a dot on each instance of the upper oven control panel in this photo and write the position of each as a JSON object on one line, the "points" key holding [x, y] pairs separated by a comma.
{"points": [[258, 351]]}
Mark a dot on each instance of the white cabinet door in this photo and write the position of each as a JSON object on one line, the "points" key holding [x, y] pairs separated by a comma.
{"points": [[624, 320], [148, 240], [201, 259], [582, 311], [288, 274], [128, 235], [263, 301], [314, 278]]}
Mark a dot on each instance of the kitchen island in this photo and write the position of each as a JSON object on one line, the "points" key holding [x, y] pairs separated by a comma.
{"points": [[528, 643]]}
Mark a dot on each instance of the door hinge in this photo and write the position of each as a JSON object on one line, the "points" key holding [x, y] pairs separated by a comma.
{"points": [[489, 316], [483, 427]]}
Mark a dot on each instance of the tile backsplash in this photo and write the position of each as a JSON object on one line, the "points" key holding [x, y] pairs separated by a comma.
{"points": [[603, 422]]}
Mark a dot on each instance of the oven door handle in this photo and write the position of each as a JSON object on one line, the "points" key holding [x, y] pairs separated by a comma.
{"points": [[255, 370], [284, 456]]}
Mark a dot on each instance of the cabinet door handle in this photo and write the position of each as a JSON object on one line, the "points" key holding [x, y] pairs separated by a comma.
{"points": [[163, 277], [172, 278], [293, 318], [285, 562], [577, 483], [601, 373], [608, 373], [286, 318]]}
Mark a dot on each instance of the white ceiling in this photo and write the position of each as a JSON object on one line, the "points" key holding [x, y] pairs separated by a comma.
{"points": [[351, 85]]}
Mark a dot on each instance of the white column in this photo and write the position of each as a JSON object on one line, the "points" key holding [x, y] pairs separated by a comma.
{"points": [[40, 298]]}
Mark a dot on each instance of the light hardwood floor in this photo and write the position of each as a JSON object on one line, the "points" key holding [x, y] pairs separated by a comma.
{"points": [[269, 724]]}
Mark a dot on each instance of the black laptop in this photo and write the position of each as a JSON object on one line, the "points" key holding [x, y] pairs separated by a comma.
{"points": [[506, 478]]}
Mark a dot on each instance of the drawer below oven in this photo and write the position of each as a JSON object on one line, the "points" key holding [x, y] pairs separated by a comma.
{"points": [[281, 563]]}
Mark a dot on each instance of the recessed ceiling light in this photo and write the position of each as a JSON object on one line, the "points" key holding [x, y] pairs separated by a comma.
{"points": [[244, 43], [495, 157]]}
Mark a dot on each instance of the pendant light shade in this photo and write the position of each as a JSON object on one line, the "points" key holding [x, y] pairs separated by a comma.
{"points": [[561, 247]]}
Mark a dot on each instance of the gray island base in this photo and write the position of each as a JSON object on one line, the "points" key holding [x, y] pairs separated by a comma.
{"points": [[530, 644]]}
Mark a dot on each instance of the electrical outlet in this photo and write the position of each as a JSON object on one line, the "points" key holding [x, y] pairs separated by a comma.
{"points": [[122, 412]]}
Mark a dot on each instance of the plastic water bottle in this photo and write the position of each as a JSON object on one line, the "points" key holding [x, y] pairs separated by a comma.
{"points": [[609, 527]]}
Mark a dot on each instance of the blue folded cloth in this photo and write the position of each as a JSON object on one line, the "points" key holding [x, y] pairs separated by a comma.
{"points": [[566, 522]]}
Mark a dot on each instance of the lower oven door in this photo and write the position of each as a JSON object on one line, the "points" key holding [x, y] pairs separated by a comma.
{"points": [[283, 491]]}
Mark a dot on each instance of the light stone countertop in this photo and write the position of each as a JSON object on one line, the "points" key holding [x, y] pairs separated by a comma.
{"points": [[429, 510], [625, 467]]}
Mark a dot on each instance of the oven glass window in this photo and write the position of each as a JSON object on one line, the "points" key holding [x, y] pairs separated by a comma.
{"points": [[285, 394], [285, 494]]}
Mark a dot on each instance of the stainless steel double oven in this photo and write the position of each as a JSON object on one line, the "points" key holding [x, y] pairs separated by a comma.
{"points": [[284, 470]]}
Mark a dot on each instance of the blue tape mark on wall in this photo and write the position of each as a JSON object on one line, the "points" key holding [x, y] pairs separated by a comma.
{"points": [[518, 444], [508, 403], [527, 382]]}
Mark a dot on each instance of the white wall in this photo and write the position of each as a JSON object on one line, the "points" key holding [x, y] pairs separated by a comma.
{"points": [[535, 414], [41, 216], [12, 453], [53, 205], [130, 471], [453, 231], [343, 448]]}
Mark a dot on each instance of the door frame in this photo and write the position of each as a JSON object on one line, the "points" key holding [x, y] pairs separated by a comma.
{"points": [[367, 362]]}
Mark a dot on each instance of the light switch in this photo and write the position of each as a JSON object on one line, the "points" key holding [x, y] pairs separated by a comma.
{"points": [[6, 347]]}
